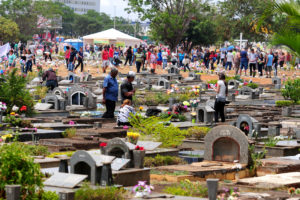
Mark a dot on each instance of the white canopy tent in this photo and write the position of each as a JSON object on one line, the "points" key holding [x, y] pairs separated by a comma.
{"points": [[111, 36]]}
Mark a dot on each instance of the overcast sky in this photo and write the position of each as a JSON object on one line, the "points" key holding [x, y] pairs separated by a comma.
{"points": [[107, 6]]}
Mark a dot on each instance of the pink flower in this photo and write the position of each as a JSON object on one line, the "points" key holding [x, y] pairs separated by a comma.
{"points": [[35, 129], [71, 122], [125, 127]]}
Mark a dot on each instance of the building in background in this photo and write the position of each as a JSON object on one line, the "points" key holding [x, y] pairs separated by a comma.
{"points": [[82, 6]]}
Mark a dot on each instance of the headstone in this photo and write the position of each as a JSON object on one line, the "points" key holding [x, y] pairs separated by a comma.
{"points": [[13, 192], [148, 145], [118, 148], [212, 186], [276, 80], [119, 163], [205, 114], [65, 180], [233, 83], [273, 131], [52, 99], [58, 92], [286, 111], [246, 124], [42, 106], [245, 90], [173, 70], [195, 76], [67, 195], [226, 143], [164, 83], [63, 165], [77, 94]]}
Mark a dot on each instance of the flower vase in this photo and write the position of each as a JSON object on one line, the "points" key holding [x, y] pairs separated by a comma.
{"points": [[138, 158], [139, 194], [102, 150]]}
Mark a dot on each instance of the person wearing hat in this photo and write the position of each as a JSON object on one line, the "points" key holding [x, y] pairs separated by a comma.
{"points": [[51, 78], [127, 90]]}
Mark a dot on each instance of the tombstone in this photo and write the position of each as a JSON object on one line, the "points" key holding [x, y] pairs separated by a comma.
{"points": [[87, 76], [286, 111], [245, 90], [81, 96], [59, 92], [245, 120], [13, 192], [276, 80], [234, 83], [118, 148], [278, 86], [65, 180], [163, 82], [226, 143], [90, 163], [273, 131], [205, 114], [73, 78], [195, 76], [212, 187], [261, 90], [173, 70]]}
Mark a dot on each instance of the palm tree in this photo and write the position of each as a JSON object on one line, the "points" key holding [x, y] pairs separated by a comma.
{"points": [[289, 34]]}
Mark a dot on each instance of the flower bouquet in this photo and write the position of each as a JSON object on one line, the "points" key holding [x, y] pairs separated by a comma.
{"points": [[142, 189], [133, 137], [102, 147], [2, 109]]}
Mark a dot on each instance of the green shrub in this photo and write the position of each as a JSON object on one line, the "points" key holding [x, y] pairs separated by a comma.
{"points": [[107, 193], [292, 90], [253, 85], [197, 132], [13, 92], [159, 160], [14, 121], [35, 150], [271, 142], [170, 136], [187, 188], [17, 167], [41, 91], [48, 195], [181, 118], [284, 103], [69, 133]]}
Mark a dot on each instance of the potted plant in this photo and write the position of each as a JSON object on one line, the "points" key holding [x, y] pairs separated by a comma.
{"points": [[142, 189], [138, 157]]}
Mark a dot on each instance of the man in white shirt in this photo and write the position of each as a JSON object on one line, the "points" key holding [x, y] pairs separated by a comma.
{"points": [[229, 60], [165, 58], [252, 62]]}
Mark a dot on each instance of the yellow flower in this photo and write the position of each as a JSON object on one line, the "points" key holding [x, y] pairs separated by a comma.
{"points": [[141, 108], [12, 113], [4, 137], [133, 135]]}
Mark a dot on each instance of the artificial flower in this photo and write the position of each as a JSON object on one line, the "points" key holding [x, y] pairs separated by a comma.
{"points": [[103, 144]]}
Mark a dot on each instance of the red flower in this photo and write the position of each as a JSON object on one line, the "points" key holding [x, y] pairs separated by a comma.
{"points": [[169, 113], [245, 83], [142, 149], [137, 147], [236, 92], [103, 144], [176, 113], [23, 109]]}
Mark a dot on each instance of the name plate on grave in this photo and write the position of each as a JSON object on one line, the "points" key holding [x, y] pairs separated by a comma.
{"points": [[225, 133]]}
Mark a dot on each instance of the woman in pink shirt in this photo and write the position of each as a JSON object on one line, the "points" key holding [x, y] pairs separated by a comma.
{"points": [[281, 59]]}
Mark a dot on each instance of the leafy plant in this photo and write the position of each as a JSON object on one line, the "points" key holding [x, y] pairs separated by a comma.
{"points": [[17, 167], [283, 103], [187, 188], [256, 158], [159, 160], [67, 153], [178, 116], [292, 90], [170, 136], [13, 92], [271, 142], [111, 193], [252, 85], [197, 132], [48, 195], [41, 91], [69, 133], [34, 150]]}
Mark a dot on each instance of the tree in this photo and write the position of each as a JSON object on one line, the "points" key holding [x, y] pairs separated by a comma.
{"points": [[9, 30], [170, 19], [288, 35]]}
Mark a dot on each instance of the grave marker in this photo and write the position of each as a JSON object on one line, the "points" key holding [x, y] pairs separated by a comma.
{"points": [[65, 180]]}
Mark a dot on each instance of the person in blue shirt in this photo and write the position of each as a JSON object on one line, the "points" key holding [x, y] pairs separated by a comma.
{"points": [[244, 61], [110, 93], [181, 57], [269, 61], [80, 59]]}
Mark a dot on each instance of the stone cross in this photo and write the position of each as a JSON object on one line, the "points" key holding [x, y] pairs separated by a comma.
{"points": [[241, 40]]}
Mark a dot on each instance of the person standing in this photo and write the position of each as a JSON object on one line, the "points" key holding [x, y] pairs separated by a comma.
{"points": [[23, 61], [281, 59], [153, 61], [244, 61], [269, 61], [229, 60], [252, 62], [181, 57], [222, 91], [80, 59], [186, 62], [222, 56], [138, 58], [275, 63], [11, 59], [237, 62], [105, 59], [206, 59], [110, 93], [67, 55], [111, 54], [128, 54], [159, 58], [261, 63], [127, 90], [165, 59], [51, 79], [72, 59], [29, 58]]}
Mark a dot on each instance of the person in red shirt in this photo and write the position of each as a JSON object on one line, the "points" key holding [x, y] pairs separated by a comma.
{"points": [[105, 59], [212, 57], [111, 54]]}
